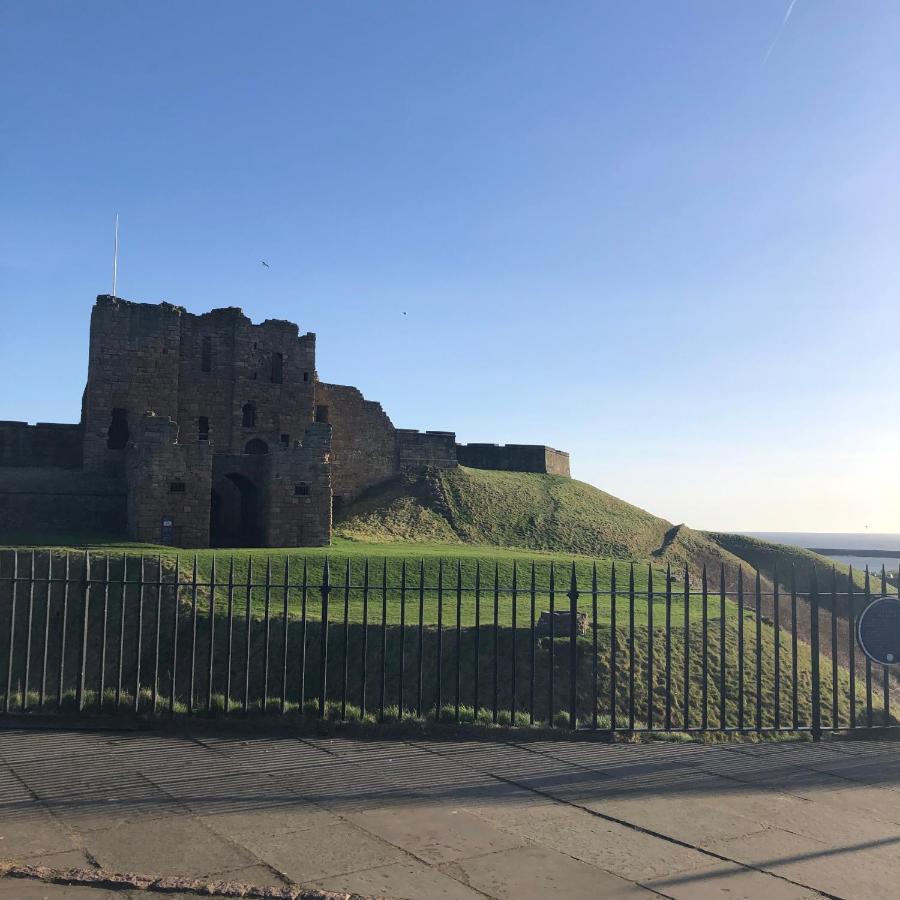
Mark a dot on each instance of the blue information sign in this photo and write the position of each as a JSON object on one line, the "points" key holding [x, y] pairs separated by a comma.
{"points": [[878, 630]]}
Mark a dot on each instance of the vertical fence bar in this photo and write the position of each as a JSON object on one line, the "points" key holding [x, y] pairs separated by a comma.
{"points": [[285, 611], [458, 633], [211, 645], [46, 648], [550, 692], [668, 637], [230, 635], [513, 706], [157, 631], [12, 633], [364, 656], [384, 613], [650, 676], [704, 662], [420, 655], [885, 670], [248, 601], [723, 720], [758, 638], [496, 667], [740, 697], [28, 623], [191, 683], [176, 586], [573, 651], [533, 597], [631, 661], [346, 660], [122, 628], [814, 641], [795, 682], [868, 598], [686, 698], [85, 617], [594, 685], [776, 623], [101, 696], [613, 651], [139, 638], [400, 695], [304, 584], [267, 621], [477, 679], [63, 629], [835, 712], [851, 645], [323, 637], [439, 687]]}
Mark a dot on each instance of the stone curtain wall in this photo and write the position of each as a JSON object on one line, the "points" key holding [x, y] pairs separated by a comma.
{"points": [[426, 449], [514, 458], [155, 461], [44, 444], [57, 502], [363, 441], [556, 462]]}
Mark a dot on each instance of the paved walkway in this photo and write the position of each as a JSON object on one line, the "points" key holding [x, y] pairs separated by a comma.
{"points": [[453, 819]]}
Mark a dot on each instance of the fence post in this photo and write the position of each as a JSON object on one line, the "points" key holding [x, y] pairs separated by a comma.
{"points": [[85, 610], [573, 648], [323, 637], [814, 640]]}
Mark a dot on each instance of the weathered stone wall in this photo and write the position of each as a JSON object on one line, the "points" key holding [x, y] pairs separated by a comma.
{"points": [[514, 458], [156, 463], [132, 365], [44, 444], [417, 450], [298, 492], [57, 502], [363, 441], [269, 366], [556, 462]]}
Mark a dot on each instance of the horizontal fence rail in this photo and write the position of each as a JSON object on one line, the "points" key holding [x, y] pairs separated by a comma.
{"points": [[606, 647]]}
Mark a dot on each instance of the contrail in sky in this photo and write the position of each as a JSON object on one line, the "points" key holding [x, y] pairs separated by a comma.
{"points": [[784, 22]]}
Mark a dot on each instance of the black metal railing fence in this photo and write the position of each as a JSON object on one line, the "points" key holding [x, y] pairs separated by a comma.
{"points": [[609, 647]]}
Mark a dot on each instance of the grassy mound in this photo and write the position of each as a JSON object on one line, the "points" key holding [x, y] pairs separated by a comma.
{"points": [[552, 514]]}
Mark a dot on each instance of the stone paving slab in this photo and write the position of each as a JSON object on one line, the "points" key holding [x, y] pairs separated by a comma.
{"points": [[453, 818]]}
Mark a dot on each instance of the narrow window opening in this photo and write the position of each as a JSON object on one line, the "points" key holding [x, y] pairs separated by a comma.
{"points": [[301, 489], [285, 439], [277, 368], [203, 428], [206, 355], [248, 419], [176, 487], [117, 436], [321, 413], [306, 376]]}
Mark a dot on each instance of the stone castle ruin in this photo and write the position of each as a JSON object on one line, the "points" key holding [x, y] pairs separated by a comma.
{"points": [[208, 430]]}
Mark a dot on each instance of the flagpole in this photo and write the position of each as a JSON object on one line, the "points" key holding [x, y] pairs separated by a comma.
{"points": [[115, 256]]}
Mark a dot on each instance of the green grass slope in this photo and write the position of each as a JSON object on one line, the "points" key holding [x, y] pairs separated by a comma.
{"points": [[535, 512]]}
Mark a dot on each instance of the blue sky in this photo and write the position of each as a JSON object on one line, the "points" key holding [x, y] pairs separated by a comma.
{"points": [[616, 228]]}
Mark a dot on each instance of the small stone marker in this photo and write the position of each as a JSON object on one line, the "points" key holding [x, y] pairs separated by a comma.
{"points": [[878, 630], [562, 622]]}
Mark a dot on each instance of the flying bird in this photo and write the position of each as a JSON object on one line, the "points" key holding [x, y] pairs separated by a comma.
{"points": [[265, 263]]}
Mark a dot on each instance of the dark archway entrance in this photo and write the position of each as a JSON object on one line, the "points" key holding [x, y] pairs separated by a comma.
{"points": [[235, 519]]}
